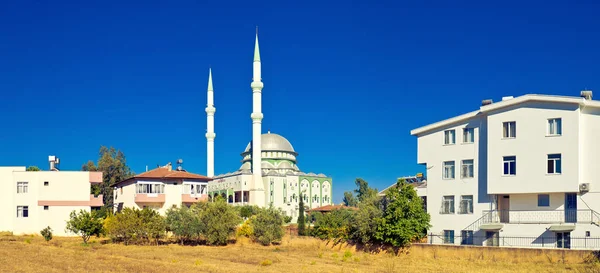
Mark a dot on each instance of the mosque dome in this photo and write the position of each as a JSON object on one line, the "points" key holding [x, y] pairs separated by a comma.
{"points": [[273, 143]]}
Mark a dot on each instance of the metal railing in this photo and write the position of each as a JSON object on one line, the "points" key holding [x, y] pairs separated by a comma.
{"points": [[583, 216], [496, 240]]}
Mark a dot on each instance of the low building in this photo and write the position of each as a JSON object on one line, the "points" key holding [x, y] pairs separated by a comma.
{"points": [[161, 189], [33, 200]]}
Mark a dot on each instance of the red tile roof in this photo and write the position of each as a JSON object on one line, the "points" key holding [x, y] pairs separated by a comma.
{"points": [[329, 208], [166, 173]]}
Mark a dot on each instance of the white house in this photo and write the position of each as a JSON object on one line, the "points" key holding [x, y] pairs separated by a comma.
{"points": [[526, 167]]}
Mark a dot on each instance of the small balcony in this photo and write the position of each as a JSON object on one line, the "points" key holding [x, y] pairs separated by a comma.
{"points": [[583, 216], [96, 201], [150, 198], [193, 198], [95, 177]]}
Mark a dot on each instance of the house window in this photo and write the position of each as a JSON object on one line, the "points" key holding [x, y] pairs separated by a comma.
{"points": [[509, 129], [466, 237], [46, 207], [285, 199], [448, 170], [466, 204], [510, 165], [22, 211], [449, 137], [447, 205], [492, 238], [554, 165], [150, 188], [468, 135], [22, 187], [543, 200], [467, 169], [563, 240], [555, 127], [448, 236], [46, 183]]}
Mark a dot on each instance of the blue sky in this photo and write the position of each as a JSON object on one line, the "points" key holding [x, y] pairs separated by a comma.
{"points": [[345, 81]]}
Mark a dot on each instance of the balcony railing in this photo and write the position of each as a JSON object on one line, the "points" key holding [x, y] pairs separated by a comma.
{"points": [[193, 198], [149, 197], [585, 216]]}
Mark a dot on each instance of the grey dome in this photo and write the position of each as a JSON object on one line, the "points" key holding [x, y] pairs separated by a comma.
{"points": [[273, 142]]}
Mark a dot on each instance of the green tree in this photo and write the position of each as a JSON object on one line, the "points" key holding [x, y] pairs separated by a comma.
{"points": [[219, 222], [33, 169], [301, 217], [133, 225], [113, 165], [404, 220], [365, 222], [333, 225], [47, 233], [363, 191], [349, 199], [267, 226], [184, 223], [84, 224]]}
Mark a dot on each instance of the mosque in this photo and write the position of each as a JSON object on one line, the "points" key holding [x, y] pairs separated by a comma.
{"points": [[269, 173]]}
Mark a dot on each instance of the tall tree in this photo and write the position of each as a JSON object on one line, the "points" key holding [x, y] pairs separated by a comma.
{"points": [[349, 199], [33, 169], [113, 165], [301, 218], [363, 191]]}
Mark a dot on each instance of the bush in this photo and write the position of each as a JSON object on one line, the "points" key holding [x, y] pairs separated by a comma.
{"points": [[248, 211], [133, 225], [333, 225], [287, 219], [47, 233], [85, 224], [184, 222], [246, 229], [220, 221], [267, 226]]}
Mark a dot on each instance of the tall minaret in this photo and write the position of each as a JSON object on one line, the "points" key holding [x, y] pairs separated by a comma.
{"points": [[210, 128], [257, 194]]}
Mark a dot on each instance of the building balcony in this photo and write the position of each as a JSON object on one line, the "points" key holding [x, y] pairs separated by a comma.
{"points": [[95, 177], [193, 198], [150, 198], [584, 216], [96, 201]]}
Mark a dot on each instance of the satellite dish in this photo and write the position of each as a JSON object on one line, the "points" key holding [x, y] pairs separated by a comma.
{"points": [[180, 161]]}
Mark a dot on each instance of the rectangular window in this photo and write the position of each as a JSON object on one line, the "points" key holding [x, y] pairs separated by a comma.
{"points": [[46, 208], [554, 163], [466, 204], [150, 188], [449, 137], [22, 187], [22, 211], [509, 129], [554, 127], [467, 169], [510, 165], [448, 170], [448, 236], [466, 237], [563, 240], [492, 238], [543, 200], [447, 205], [46, 183], [468, 135]]}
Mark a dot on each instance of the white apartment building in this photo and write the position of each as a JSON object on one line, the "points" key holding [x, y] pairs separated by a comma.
{"points": [[33, 200], [161, 189], [526, 167]]}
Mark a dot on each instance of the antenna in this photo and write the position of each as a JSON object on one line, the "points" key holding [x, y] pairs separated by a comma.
{"points": [[179, 163]]}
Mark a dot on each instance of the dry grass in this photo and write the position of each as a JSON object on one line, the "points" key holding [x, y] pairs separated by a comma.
{"points": [[293, 255]]}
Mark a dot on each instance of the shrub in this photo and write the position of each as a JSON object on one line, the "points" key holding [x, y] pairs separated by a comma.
{"points": [[85, 224], [47, 233], [287, 219], [132, 225], [248, 211], [267, 226], [246, 229], [333, 225], [183, 222], [219, 222]]}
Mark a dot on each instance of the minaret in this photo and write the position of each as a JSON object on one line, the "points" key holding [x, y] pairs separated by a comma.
{"points": [[210, 128], [257, 194]]}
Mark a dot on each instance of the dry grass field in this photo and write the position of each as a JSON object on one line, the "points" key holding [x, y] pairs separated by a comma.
{"points": [[33, 254]]}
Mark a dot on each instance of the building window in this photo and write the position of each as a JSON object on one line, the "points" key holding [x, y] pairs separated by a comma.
{"points": [[46, 207], [509, 129], [22, 187], [448, 170], [466, 237], [468, 135], [563, 240], [554, 166], [448, 236], [555, 127], [467, 169], [510, 165], [46, 183], [285, 199], [466, 204], [449, 137], [150, 188], [543, 200], [22, 211], [447, 205]]}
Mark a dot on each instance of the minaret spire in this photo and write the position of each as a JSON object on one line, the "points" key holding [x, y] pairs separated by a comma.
{"points": [[257, 192], [210, 128]]}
